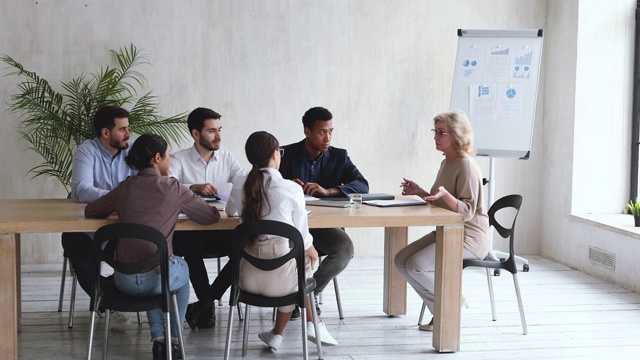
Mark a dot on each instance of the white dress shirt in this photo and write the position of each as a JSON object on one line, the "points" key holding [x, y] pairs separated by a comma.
{"points": [[286, 199], [189, 168]]}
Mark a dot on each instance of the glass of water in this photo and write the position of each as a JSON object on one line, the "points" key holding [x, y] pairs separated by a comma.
{"points": [[355, 200]]}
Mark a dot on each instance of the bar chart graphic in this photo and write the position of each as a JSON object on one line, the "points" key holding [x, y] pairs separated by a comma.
{"points": [[499, 51], [521, 64], [524, 59]]}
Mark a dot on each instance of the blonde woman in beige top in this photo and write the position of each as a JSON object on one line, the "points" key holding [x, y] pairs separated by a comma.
{"points": [[458, 187]]}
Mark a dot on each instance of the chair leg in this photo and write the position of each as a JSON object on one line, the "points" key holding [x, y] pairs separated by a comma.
{"points": [[491, 297], [239, 312], [174, 300], [303, 323], [517, 286], [91, 331], [316, 328], [140, 318], [219, 269], [245, 335], [62, 283], [72, 303], [105, 340], [167, 334], [337, 290], [227, 346], [424, 306]]}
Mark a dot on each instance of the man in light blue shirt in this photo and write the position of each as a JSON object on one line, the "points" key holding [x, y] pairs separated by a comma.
{"points": [[98, 167]]}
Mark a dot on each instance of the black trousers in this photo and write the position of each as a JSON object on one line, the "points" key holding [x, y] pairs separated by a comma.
{"points": [[78, 247], [195, 246]]}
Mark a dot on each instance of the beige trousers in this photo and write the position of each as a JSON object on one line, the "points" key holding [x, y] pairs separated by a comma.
{"points": [[279, 282]]}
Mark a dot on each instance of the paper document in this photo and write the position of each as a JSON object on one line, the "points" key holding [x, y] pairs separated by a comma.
{"points": [[217, 204], [398, 202]]}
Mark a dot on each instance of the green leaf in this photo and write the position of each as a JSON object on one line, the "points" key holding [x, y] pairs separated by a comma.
{"points": [[54, 124]]}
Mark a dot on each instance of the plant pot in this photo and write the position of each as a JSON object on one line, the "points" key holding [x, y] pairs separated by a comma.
{"points": [[636, 220]]}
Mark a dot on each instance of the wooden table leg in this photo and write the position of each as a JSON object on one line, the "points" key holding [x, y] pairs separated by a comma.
{"points": [[8, 297], [448, 287], [395, 287]]}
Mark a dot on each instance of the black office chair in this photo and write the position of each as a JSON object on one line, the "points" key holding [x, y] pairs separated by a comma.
{"points": [[305, 286], [107, 296], [67, 265], [509, 201]]}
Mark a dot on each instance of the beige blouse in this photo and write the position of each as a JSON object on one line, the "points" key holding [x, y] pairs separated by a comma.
{"points": [[463, 179]]}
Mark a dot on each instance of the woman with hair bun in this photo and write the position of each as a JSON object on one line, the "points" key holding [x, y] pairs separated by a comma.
{"points": [[265, 195], [155, 199]]}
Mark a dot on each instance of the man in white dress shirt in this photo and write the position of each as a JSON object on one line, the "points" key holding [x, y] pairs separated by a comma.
{"points": [[207, 170]]}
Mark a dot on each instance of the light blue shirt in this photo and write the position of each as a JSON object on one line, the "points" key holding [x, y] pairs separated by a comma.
{"points": [[94, 171]]}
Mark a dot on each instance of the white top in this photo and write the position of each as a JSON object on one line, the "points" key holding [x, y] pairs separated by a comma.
{"points": [[286, 199], [189, 168]]}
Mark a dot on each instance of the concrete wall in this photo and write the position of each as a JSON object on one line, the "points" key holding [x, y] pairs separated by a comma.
{"points": [[384, 68], [587, 134]]}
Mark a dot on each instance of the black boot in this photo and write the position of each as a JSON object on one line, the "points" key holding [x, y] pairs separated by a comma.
{"points": [[175, 351], [159, 350], [194, 311], [208, 317]]}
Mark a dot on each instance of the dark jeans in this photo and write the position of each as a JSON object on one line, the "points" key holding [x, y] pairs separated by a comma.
{"points": [[195, 246], [338, 248], [78, 247]]}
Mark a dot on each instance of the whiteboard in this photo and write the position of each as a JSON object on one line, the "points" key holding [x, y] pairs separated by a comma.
{"points": [[495, 83]]}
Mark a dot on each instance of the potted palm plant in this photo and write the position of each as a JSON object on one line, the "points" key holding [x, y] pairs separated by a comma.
{"points": [[634, 208], [54, 123]]}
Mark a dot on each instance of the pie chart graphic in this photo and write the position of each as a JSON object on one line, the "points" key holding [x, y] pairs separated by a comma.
{"points": [[511, 93]]}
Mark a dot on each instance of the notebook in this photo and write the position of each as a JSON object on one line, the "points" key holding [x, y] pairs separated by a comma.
{"points": [[331, 203], [369, 196], [209, 198], [342, 201], [398, 202]]}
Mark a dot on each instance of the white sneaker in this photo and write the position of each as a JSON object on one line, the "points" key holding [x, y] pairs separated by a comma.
{"points": [[118, 321], [325, 336], [271, 339]]}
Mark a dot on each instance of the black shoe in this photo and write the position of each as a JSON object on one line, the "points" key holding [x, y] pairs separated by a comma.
{"points": [[207, 318], [295, 315], [159, 350], [175, 351], [318, 312], [193, 314]]}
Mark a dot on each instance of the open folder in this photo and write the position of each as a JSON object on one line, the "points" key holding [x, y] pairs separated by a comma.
{"points": [[396, 202]]}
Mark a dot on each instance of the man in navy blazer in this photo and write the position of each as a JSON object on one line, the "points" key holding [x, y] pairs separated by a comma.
{"points": [[324, 171]]}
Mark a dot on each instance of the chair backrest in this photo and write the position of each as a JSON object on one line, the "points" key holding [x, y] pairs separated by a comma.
{"points": [[270, 227], [131, 231], [510, 201]]}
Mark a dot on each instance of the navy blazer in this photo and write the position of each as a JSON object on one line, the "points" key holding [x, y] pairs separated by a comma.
{"points": [[336, 169]]}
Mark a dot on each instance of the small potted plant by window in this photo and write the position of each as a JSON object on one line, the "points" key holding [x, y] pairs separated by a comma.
{"points": [[634, 208]]}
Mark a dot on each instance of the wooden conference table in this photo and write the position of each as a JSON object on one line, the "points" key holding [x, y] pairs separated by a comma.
{"points": [[61, 215]]}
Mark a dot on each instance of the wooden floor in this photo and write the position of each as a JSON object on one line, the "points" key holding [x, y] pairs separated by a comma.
{"points": [[570, 316]]}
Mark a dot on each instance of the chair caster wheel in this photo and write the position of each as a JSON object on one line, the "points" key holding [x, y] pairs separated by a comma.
{"points": [[496, 272], [525, 267]]}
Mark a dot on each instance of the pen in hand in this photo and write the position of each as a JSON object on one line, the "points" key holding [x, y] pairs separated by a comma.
{"points": [[403, 184]]}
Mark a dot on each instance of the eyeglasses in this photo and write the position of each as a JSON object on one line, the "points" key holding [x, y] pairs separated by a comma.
{"points": [[281, 151], [439, 133]]}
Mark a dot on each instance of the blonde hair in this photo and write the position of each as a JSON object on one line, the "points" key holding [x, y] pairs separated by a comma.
{"points": [[461, 130]]}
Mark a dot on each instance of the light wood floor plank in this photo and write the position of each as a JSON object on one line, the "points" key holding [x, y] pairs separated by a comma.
{"points": [[570, 315]]}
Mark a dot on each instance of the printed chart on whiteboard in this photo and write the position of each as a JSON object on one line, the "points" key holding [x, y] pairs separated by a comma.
{"points": [[496, 84]]}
